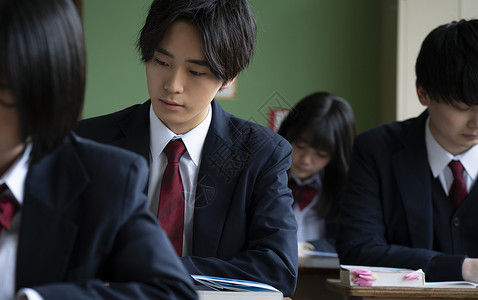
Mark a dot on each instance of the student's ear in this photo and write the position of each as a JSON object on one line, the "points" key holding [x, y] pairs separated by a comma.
{"points": [[228, 84], [422, 95]]}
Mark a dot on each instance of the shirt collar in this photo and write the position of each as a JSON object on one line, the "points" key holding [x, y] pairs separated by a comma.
{"points": [[312, 181], [14, 178], [193, 139], [439, 158], [469, 160]]}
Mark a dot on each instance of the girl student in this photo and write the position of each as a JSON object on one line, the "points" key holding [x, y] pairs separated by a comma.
{"points": [[321, 130]]}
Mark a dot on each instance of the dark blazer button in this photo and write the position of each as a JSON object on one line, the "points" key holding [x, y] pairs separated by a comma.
{"points": [[456, 221]]}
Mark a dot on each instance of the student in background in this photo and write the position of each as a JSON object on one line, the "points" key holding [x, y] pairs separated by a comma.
{"points": [[73, 218], [232, 208], [411, 195], [321, 130]]}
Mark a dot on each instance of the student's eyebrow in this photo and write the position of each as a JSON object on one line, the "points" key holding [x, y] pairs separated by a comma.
{"points": [[193, 61], [198, 62], [165, 52]]}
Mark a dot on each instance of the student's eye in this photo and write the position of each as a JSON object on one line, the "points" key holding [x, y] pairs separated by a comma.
{"points": [[4, 103], [323, 155], [160, 62], [461, 106], [195, 73], [7, 102], [300, 145]]}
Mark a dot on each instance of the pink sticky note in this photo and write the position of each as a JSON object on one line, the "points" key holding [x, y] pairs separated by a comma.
{"points": [[362, 282], [362, 272], [412, 276]]}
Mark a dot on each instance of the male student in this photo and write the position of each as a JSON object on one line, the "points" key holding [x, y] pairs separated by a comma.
{"points": [[411, 197], [73, 217], [232, 213]]}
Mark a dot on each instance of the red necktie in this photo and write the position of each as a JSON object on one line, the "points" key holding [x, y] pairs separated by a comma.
{"points": [[171, 197], [7, 210], [303, 194], [458, 187]]}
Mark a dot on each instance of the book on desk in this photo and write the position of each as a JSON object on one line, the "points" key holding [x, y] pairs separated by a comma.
{"points": [[212, 288], [318, 259], [394, 277], [395, 292], [318, 254], [380, 276]]}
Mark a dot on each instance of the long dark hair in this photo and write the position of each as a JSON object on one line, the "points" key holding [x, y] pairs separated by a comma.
{"points": [[327, 123], [42, 63]]}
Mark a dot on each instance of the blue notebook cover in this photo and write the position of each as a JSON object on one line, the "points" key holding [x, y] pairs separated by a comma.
{"points": [[228, 284]]}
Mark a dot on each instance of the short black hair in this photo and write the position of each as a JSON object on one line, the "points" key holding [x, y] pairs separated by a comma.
{"points": [[42, 63], [228, 30], [325, 122], [447, 64]]}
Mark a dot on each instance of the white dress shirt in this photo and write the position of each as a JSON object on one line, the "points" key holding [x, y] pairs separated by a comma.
{"points": [[438, 158], [188, 167], [14, 178], [310, 226]]}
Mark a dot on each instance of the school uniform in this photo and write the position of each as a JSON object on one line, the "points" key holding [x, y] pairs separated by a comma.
{"points": [[83, 230], [243, 226], [397, 212], [311, 226]]}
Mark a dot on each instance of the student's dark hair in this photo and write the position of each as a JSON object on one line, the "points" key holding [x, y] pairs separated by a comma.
{"points": [[42, 63], [447, 64], [228, 30], [325, 122]]}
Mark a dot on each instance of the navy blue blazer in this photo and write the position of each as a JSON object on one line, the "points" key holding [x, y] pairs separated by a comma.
{"points": [[244, 226], [387, 214], [86, 232]]}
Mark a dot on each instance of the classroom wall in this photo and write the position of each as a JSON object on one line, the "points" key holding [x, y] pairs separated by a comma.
{"points": [[303, 46]]}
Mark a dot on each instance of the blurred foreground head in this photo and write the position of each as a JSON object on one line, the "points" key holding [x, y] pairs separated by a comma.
{"points": [[42, 65]]}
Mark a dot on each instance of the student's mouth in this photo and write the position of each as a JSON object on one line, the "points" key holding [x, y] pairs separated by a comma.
{"points": [[471, 137], [171, 105], [301, 169]]}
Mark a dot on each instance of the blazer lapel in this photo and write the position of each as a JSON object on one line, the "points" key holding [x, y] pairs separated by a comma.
{"points": [[136, 131], [414, 183], [216, 181], [47, 236]]}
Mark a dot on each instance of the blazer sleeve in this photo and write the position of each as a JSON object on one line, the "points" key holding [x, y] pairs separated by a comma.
{"points": [[371, 204], [269, 254], [141, 264]]}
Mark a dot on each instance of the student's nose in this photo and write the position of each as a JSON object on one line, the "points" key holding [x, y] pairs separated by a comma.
{"points": [[473, 121], [174, 84], [307, 157]]}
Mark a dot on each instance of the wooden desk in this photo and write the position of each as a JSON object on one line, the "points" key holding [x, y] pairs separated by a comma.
{"points": [[311, 284], [218, 295], [386, 292], [313, 272]]}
